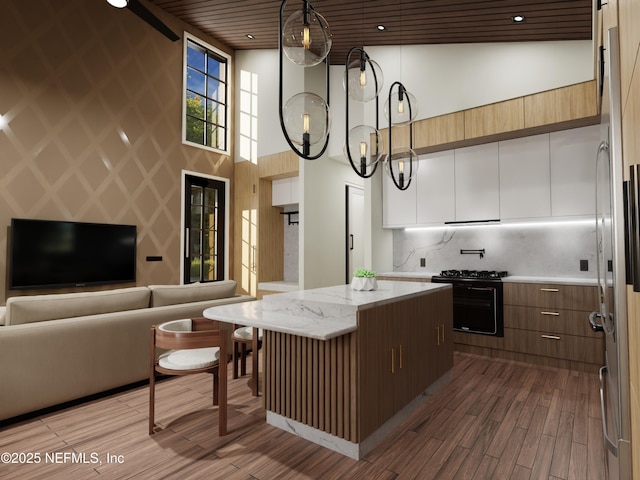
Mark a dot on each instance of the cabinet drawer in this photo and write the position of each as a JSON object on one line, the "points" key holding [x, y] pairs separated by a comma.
{"points": [[548, 344], [570, 297], [554, 320]]}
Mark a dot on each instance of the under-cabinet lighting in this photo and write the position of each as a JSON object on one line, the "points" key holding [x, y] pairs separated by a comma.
{"points": [[507, 224]]}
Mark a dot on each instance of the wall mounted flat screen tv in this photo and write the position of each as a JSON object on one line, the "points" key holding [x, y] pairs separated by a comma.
{"points": [[48, 254]]}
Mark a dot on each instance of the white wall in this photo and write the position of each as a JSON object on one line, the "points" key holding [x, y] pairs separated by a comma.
{"points": [[322, 221], [262, 65]]}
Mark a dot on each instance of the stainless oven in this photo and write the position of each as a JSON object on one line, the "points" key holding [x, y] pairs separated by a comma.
{"points": [[477, 300]]}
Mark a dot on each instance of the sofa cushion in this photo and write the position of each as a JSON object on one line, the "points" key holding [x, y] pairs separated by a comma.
{"points": [[162, 295], [38, 308]]}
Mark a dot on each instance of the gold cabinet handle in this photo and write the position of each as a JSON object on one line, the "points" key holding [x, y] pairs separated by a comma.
{"points": [[400, 352], [551, 337], [438, 335], [393, 360], [549, 290], [554, 314]]}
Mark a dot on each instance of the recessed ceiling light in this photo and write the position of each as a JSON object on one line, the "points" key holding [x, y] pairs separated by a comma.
{"points": [[517, 18], [381, 28], [250, 37]]}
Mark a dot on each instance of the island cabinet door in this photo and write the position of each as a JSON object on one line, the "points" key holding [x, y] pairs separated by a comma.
{"points": [[403, 348], [377, 364]]}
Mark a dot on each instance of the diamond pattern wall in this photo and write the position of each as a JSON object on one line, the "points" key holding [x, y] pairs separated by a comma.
{"points": [[90, 99]]}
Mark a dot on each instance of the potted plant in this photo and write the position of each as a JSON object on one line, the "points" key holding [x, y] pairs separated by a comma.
{"points": [[364, 279]]}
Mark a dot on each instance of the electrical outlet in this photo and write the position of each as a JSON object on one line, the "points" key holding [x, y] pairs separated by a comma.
{"points": [[584, 265], [423, 262]]}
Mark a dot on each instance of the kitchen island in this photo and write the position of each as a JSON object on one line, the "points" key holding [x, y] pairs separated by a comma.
{"points": [[342, 368]]}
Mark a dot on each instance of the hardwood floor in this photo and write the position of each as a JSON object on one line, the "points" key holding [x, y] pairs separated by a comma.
{"points": [[496, 419]]}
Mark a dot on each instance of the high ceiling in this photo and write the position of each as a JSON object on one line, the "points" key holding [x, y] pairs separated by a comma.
{"points": [[354, 23]]}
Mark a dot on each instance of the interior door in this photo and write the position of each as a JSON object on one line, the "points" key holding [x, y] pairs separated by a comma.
{"points": [[354, 230]]}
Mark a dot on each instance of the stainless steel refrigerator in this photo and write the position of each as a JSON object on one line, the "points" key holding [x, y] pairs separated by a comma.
{"points": [[611, 319]]}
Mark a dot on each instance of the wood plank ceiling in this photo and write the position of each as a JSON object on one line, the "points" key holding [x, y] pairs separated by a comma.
{"points": [[354, 23]]}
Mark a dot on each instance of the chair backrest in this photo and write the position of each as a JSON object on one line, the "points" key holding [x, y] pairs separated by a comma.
{"points": [[189, 333]]}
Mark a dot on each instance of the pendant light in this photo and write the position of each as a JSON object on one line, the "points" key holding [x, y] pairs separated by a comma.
{"points": [[362, 82], [305, 118], [401, 109]]}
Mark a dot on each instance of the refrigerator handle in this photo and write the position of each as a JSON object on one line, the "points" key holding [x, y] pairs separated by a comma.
{"points": [[610, 445], [596, 327]]}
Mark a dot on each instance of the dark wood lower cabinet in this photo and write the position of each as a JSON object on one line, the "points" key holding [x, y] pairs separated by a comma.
{"points": [[546, 324]]}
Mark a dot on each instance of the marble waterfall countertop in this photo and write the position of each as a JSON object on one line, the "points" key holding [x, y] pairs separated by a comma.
{"points": [[321, 313]]}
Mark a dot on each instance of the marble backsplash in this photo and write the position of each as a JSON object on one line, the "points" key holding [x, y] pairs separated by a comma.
{"points": [[552, 249]]}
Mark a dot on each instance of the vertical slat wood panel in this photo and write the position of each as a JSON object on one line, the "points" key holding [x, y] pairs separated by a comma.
{"points": [[311, 381]]}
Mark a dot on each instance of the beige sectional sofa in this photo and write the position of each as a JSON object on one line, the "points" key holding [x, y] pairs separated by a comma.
{"points": [[61, 347]]}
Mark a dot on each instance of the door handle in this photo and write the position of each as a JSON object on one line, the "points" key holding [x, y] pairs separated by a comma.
{"points": [[351, 241], [610, 445], [596, 327]]}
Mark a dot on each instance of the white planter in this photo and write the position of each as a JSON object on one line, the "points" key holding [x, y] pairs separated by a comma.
{"points": [[364, 283]]}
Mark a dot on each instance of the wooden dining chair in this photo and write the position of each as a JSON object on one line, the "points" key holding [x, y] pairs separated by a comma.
{"points": [[193, 346]]}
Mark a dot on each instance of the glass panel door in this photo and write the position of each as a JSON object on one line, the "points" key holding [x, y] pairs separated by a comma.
{"points": [[204, 230]]}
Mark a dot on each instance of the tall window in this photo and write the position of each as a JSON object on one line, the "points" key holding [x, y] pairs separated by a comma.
{"points": [[205, 230], [206, 96]]}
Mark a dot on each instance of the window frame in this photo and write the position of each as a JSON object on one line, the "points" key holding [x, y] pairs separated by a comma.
{"points": [[228, 93]]}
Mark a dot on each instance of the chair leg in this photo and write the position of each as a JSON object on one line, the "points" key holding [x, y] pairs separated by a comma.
{"points": [[152, 391], [243, 359], [235, 359], [222, 403], [216, 388]]}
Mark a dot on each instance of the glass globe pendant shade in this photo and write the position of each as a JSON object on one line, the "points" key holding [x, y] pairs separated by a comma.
{"points": [[401, 108], [363, 85], [364, 148], [307, 119], [306, 45], [402, 166]]}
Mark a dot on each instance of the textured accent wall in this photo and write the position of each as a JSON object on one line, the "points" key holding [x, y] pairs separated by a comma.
{"points": [[90, 126]]}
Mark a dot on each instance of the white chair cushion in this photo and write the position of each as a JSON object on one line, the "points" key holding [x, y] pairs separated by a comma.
{"points": [[246, 333], [191, 359]]}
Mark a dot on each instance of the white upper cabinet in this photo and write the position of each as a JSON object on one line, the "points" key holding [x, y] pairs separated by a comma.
{"points": [[525, 191], [398, 206], [542, 176], [573, 159], [477, 183], [436, 188], [284, 192]]}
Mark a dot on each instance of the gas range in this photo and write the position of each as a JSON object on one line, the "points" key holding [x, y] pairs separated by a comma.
{"points": [[472, 274], [477, 300]]}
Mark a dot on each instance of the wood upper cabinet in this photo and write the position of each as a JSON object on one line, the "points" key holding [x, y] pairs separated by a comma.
{"points": [[525, 190], [573, 160], [436, 188], [477, 183]]}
